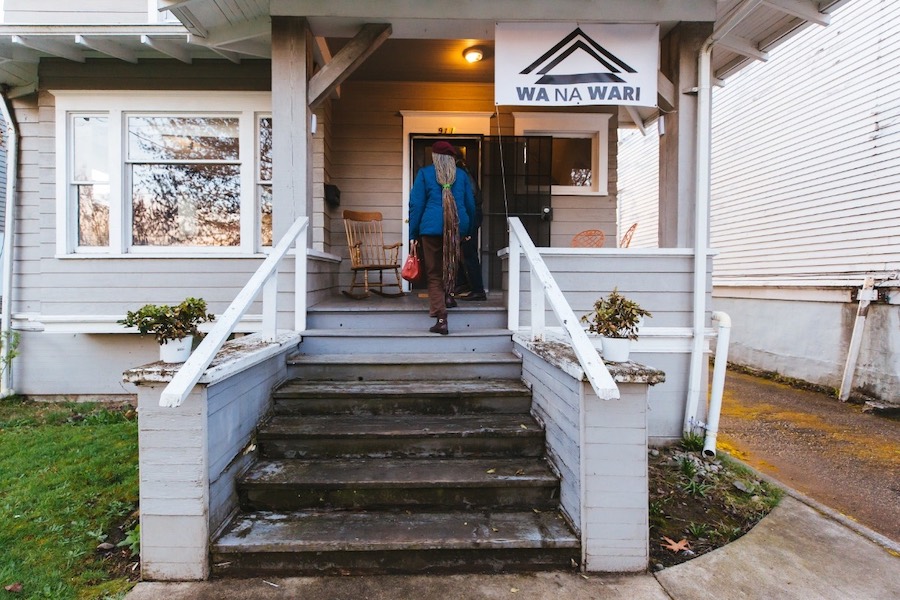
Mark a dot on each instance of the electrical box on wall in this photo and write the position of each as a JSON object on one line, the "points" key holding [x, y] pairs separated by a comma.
{"points": [[332, 195]]}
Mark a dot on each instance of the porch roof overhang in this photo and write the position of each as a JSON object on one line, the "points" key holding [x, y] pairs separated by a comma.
{"points": [[424, 44]]}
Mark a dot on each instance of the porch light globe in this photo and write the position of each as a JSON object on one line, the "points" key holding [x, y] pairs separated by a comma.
{"points": [[473, 54]]}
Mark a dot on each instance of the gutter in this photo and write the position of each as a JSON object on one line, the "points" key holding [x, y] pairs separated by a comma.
{"points": [[701, 209], [12, 170]]}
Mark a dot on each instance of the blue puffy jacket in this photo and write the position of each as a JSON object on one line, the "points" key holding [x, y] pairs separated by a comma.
{"points": [[426, 213]]}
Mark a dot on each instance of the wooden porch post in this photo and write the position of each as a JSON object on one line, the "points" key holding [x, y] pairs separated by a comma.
{"points": [[678, 147], [291, 135]]}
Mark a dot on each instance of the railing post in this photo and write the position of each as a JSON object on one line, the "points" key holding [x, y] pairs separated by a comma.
{"points": [[538, 316], [270, 307], [300, 266], [515, 253]]}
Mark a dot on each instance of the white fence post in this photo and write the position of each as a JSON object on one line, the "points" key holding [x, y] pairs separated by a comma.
{"points": [[514, 265]]}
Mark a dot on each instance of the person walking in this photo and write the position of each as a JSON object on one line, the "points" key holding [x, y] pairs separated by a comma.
{"points": [[470, 282], [441, 212]]}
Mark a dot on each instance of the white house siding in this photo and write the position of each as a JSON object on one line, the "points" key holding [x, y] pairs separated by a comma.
{"points": [[45, 285], [806, 200], [660, 281], [94, 12], [639, 186]]}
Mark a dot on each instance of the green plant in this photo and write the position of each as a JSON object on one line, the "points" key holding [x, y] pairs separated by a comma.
{"points": [[692, 442], [132, 540], [169, 322], [615, 316], [699, 530], [687, 467], [10, 349], [696, 488]]}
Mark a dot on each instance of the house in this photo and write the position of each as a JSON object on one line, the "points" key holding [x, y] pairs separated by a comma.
{"points": [[182, 153], [802, 218]]}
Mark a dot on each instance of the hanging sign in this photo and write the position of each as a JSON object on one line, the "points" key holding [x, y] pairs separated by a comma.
{"points": [[570, 64]]}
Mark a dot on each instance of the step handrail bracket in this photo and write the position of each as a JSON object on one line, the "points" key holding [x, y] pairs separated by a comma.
{"points": [[520, 244], [264, 280]]}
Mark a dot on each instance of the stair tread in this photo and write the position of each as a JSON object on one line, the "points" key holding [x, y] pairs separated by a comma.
{"points": [[403, 333], [388, 358], [318, 531], [405, 472], [401, 426], [435, 388]]}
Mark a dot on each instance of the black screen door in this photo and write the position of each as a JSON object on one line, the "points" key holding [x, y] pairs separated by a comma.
{"points": [[515, 182]]}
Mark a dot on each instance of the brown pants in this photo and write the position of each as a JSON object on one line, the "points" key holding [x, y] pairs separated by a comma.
{"points": [[433, 257]]}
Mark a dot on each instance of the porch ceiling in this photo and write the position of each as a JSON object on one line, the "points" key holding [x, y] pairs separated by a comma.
{"points": [[423, 46]]}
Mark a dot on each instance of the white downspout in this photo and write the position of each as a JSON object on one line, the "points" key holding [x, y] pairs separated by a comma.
{"points": [[12, 169], [718, 382], [701, 216]]}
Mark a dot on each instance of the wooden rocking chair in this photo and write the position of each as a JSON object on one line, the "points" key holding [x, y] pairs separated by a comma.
{"points": [[365, 240]]}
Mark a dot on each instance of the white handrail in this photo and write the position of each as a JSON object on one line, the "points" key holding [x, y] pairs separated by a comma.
{"points": [[588, 357], [266, 277]]}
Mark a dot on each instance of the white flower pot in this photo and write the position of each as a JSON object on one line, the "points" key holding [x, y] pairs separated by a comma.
{"points": [[176, 351], [615, 349]]}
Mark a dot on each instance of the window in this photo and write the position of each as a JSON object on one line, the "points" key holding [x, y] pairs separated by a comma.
{"points": [[163, 173], [580, 149]]}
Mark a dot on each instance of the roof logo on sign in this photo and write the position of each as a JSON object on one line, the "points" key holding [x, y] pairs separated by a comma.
{"points": [[578, 40]]}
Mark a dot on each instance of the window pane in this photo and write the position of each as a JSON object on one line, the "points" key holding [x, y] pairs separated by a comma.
{"points": [[93, 215], [91, 149], [265, 216], [265, 149], [186, 205], [183, 138], [572, 161]]}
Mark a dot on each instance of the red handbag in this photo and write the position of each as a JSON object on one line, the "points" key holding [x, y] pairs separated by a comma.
{"points": [[412, 269]]}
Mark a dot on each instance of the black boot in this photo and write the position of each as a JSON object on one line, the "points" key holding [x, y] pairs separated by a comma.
{"points": [[440, 327], [450, 302]]}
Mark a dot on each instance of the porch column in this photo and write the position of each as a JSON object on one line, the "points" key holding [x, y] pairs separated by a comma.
{"points": [[291, 135], [678, 147]]}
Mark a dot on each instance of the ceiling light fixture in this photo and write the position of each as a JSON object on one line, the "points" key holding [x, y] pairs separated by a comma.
{"points": [[473, 54]]}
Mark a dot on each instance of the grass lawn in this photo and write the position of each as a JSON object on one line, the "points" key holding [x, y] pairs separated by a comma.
{"points": [[68, 480]]}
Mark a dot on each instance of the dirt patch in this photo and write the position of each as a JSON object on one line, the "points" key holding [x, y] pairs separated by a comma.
{"points": [[698, 505]]}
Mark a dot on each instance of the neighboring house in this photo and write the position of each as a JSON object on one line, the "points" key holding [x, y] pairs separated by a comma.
{"points": [[805, 204], [167, 157]]}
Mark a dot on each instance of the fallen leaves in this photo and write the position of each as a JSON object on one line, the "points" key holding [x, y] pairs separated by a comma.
{"points": [[675, 546]]}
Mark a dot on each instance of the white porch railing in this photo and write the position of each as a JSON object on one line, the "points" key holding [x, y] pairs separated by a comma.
{"points": [[266, 280], [541, 279]]}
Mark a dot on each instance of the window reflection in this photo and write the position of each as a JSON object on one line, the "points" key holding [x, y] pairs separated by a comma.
{"points": [[183, 138], [572, 161], [265, 181], [90, 175], [185, 205]]}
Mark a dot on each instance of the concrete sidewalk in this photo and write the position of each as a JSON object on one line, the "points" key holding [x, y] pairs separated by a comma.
{"points": [[795, 552]]}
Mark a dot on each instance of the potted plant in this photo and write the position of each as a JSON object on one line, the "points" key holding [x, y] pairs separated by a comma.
{"points": [[616, 320], [173, 326]]}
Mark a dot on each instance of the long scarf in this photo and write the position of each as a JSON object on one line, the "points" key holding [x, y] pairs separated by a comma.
{"points": [[445, 170]]}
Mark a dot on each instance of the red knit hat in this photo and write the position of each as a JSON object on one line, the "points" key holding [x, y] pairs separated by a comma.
{"points": [[443, 147]]}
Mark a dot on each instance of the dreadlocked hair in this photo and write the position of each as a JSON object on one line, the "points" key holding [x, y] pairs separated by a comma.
{"points": [[445, 170]]}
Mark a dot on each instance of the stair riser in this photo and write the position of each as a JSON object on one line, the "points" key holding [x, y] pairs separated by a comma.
{"points": [[296, 497], [285, 405], [455, 447], [416, 561], [355, 343], [405, 320], [381, 372]]}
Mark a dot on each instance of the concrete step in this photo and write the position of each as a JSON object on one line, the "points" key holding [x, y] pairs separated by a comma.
{"points": [[345, 543], [410, 340], [401, 436], [381, 484], [468, 315], [505, 396], [416, 366]]}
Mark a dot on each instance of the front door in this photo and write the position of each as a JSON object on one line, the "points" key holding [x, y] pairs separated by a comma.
{"points": [[515, 182]]}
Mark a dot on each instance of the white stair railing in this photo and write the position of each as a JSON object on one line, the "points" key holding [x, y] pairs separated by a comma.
{"points": [[265, 279], [543, 285]]}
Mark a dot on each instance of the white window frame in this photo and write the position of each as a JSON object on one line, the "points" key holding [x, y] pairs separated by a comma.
{"points": [[583, 125], [117, 106]]}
